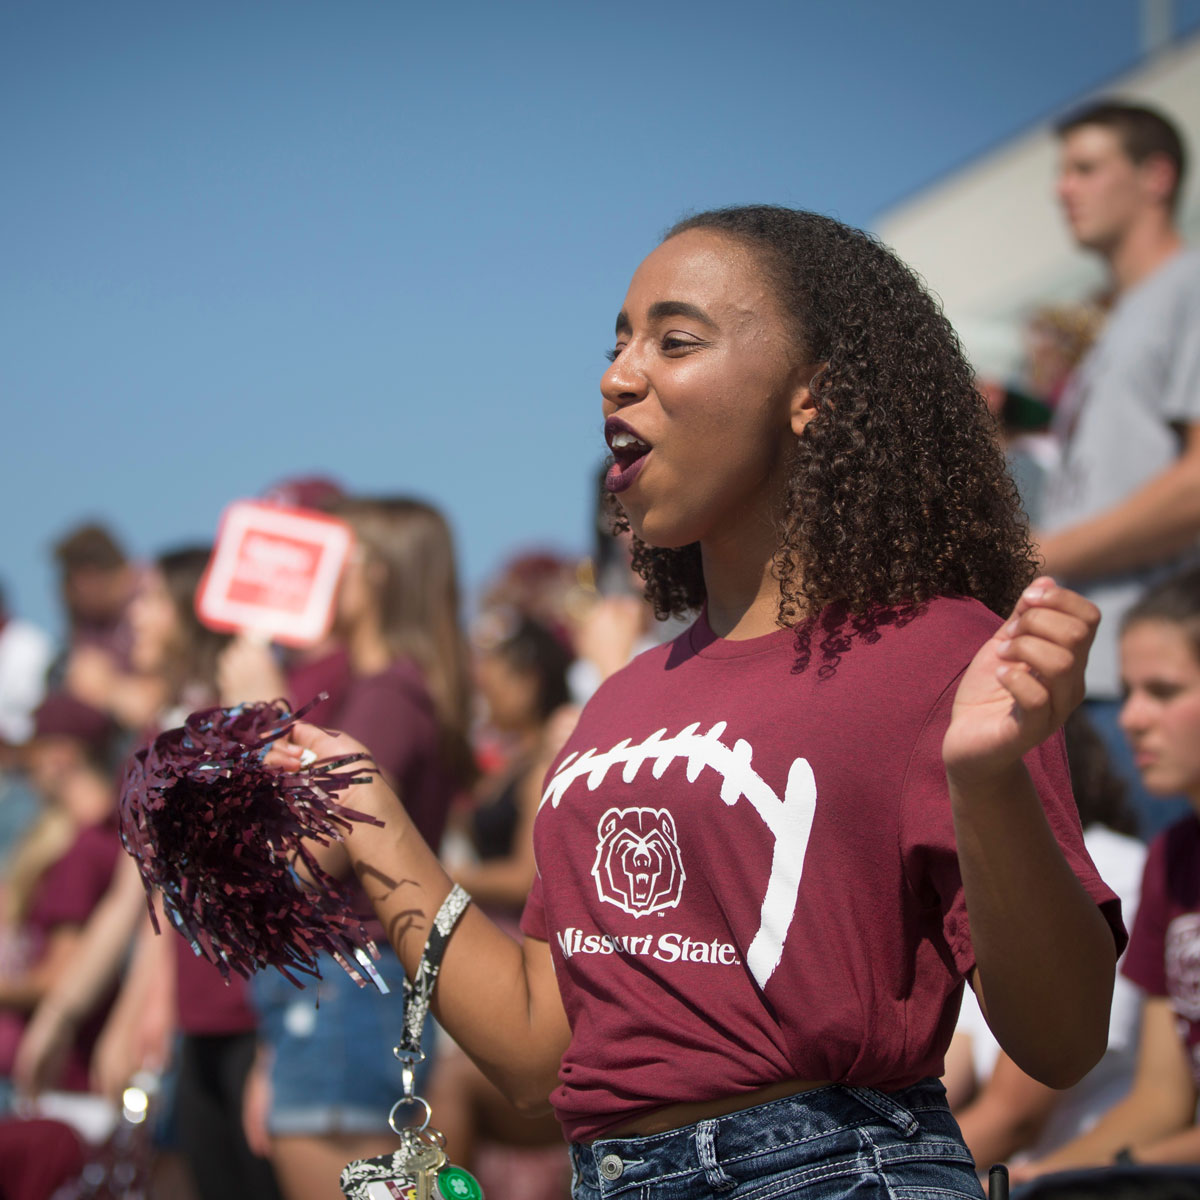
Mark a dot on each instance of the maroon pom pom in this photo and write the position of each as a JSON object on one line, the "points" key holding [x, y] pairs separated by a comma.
{"points": [[217, 833]]}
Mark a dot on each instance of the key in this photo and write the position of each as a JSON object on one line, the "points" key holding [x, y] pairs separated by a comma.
{"points": [[425, 1165], [393, 1176]]}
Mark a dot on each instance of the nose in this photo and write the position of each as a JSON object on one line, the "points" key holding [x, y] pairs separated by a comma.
{"points": [[624, 382], [1133, 716], [1064, 186]]}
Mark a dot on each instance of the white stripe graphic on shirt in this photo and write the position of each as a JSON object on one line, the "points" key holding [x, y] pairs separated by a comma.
{"points": [[789, 820]]}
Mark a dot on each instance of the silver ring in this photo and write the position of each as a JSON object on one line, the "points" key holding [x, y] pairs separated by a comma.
{"points": [[410, 1100]]}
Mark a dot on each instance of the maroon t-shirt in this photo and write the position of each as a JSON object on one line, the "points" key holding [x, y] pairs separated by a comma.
{"points": [[392, 714], [65, 895], [1164, 950], [206, 1004], [309, 677], [747, 872]]}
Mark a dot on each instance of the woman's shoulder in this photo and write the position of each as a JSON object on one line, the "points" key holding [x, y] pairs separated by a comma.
{"points": [[937, 638], [928, 644], [959, 618]]}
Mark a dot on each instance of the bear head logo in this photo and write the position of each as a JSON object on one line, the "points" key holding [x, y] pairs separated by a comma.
{"points": [[638, 866]]}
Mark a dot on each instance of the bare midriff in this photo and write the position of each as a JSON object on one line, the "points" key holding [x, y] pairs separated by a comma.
{"points": [[675, 1116]]}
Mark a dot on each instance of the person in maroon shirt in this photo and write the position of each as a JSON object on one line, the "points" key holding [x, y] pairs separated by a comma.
{"points": [[167, 986], [327, 1049], [1160, 666], [52, 885], [59, 872], [844, 755]]}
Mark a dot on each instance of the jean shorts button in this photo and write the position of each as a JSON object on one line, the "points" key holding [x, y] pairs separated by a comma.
{"points": [[611, 1166]]}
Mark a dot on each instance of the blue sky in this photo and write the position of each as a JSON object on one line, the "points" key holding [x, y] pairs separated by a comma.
{"points": [[387, 241]]}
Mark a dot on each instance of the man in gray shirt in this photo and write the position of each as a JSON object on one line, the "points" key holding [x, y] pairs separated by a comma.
{"points": [[1123, 509]]}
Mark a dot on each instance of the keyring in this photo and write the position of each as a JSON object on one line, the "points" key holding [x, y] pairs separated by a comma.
{"points": [[410, 1100]]}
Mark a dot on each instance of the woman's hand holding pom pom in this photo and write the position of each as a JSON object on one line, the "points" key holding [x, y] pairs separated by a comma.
{"points": [[221, 814], [305, 744]]}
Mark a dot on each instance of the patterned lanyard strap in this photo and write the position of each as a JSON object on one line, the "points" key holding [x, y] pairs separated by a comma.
{"points": [[419, 1167], [419, 993]]}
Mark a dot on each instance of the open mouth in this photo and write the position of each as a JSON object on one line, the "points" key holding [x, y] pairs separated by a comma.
{"points": [[627, 448], [629, 452]]}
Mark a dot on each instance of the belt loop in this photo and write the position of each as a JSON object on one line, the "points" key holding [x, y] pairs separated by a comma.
{"points": [[894, 1113], [706, 1151], [574, 1155]]}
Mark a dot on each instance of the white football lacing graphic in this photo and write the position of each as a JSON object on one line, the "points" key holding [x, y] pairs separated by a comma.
{"points": [[789, 820]]}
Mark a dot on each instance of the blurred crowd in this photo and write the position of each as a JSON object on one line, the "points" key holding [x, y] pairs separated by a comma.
{"points": [[240, 1090], [128, 1063]]}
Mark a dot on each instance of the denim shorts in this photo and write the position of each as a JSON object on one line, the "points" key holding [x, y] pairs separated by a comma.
{"points": [[332, 1067], [825, 1144]]}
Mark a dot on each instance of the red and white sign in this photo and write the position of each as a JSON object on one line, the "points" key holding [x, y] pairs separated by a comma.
{"points": [[274, 572]]}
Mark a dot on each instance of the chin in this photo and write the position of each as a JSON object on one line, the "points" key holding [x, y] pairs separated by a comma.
{"points": [[647, 529], [660, 538], [1097, 240], [1165, 787]]}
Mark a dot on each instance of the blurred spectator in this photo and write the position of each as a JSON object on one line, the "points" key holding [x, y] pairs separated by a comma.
{"points": [[167, 986], [318, 492], [25, 655], [60, 871], [1056, 339], [38, 1157], [1155, 1122], [1123, 509], [327, 1081], [98, 585], [97, 582], [521, 677], [1005, 1113], [539, 584]]}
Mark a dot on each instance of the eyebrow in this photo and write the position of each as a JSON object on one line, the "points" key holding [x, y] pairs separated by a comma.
{"points": [[667, 308]]}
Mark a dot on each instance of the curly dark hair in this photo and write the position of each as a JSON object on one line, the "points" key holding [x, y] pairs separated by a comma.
{"points": [[897, 490]]}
